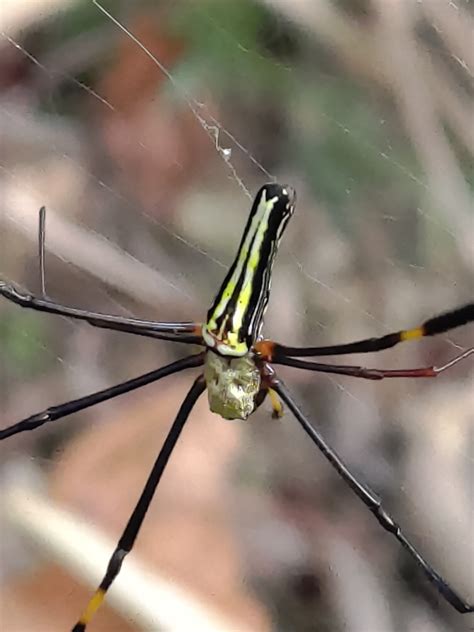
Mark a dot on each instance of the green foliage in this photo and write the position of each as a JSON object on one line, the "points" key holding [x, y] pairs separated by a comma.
{"points": [[247, 57], [230, 47], [21, 334], [347, 147], [281, 92], [77, 33]]}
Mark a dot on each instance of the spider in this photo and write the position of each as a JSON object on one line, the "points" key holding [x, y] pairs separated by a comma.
{"points": [[238, 370]]}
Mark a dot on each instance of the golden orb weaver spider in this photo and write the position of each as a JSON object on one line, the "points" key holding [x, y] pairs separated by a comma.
{"points": [[238, 370]]}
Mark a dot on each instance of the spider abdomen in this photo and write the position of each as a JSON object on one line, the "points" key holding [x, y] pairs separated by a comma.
{"points": [[233, 385]]}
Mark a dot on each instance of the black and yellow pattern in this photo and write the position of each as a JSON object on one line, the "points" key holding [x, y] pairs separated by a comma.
{"points": [[437, 325], [235, 318]]}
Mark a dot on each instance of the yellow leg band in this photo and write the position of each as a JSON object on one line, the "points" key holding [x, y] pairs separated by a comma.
{"points": [[412, 334], [92, 607], [276, 404]]}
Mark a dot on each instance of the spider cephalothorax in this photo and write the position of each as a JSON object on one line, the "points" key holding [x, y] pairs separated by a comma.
{"points": [[233, 385]]}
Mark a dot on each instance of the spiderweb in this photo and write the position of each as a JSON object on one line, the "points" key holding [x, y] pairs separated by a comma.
{"points": [[382, 244]]}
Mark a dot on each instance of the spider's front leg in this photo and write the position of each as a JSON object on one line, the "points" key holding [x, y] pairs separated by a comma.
{"points": [[431, 327], [187, 332]]}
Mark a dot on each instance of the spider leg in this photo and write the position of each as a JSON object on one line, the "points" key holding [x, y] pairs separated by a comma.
{"points": [[373, 502], [277, 408], [57, 412], [370, 374], [433, 326], [127, 539], [178, 332], [41, 257]]}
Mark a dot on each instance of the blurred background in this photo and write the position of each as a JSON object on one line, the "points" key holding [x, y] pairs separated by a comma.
{"points": [[146, 151]]}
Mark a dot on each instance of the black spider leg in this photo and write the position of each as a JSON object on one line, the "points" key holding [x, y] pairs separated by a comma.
{"points": [[41, 242], [372, 501], [127, 539], [177, 332], [57, 412], [370, 374], [433, 326]]}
